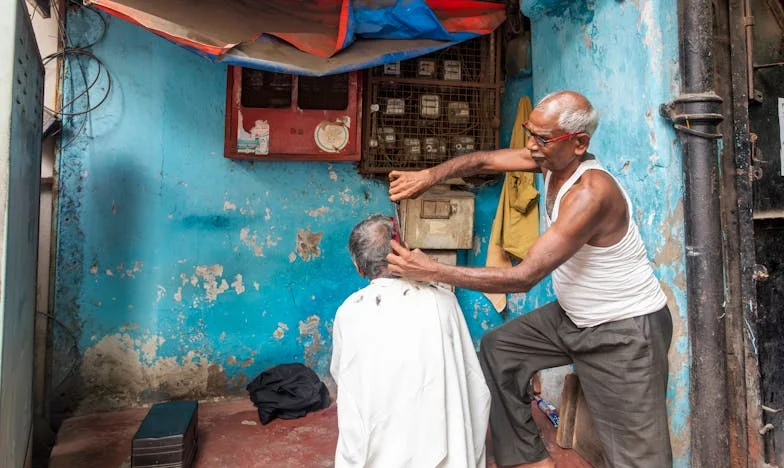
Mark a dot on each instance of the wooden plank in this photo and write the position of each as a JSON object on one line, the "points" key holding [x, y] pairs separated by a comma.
{"points": [[586, 440], [575, 428], [567, 411]]}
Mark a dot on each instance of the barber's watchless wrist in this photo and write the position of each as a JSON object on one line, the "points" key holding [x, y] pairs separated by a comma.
{"points": [[432, 178], [436, 273]]}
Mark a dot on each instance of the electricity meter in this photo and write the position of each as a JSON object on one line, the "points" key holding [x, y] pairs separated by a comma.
{"points": [[462, 145], [429, 106], [395, 107], [426, 68], [458, 113], [452, 70]]}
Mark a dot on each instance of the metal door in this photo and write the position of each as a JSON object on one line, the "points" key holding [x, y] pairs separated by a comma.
{"points": [[21, 98], [766, 116]]}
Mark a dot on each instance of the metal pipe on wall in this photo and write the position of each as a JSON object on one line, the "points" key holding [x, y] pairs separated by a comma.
{"points": [[700, 112]]}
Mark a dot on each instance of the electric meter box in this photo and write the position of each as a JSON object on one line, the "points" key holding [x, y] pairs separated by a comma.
{"points": [[434, 148], [395, 106], [426, 68], [387, 136], [412, 148], [392, 69], [430, 106], [440, 219]]}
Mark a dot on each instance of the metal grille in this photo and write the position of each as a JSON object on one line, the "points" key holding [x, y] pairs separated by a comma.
{"points": [[424, 111]]}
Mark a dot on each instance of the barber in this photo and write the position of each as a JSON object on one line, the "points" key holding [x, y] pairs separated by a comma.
{"points": [[610, 318]]}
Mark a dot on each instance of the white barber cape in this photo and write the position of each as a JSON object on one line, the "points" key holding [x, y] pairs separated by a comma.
{"points": [[410, 389]]}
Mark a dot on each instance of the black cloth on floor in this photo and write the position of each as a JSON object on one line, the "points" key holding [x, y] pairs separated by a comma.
{"points": [[287, 391]]}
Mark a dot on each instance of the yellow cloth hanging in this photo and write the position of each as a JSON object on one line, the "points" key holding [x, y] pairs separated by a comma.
{"points": [[516, 224]]}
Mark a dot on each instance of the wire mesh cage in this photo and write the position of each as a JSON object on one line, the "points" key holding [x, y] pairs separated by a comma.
{"points": [[424, 111]]}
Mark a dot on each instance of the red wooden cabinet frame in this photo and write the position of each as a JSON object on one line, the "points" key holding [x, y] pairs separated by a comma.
{"points": [[292, 133]]}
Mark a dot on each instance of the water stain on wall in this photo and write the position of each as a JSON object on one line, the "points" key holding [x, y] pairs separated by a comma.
{"points": [[311, 337], [119, 369]]}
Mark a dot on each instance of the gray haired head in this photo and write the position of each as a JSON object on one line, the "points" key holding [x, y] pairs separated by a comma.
{"points": [[369, 245], [576, 114]]}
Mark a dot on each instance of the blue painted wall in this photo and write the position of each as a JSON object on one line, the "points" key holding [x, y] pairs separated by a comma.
{"points": [[181, 272], [624, 57]]}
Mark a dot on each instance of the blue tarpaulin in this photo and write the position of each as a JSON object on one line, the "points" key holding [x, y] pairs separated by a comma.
{"points": [[317, 37]]}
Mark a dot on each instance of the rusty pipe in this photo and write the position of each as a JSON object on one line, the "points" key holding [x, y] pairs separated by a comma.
{"points": [[748, 23]]}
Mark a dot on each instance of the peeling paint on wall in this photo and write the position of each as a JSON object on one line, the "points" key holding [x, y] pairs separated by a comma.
{"points": [[318, 212], [280, 332], [210, 275], [250, 242], [272, 241], [346, 196], [308, 244], [237, 285]]}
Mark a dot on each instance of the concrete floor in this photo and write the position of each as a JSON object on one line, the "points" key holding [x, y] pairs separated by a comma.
{"points": [[231, 436]]}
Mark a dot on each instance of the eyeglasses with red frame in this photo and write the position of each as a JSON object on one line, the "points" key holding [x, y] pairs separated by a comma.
{"points": [[542, 141]]}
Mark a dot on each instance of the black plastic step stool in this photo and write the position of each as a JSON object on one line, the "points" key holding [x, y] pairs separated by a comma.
{"points": [[167, 437]]}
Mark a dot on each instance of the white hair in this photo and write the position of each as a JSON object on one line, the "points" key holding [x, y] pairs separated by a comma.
{"points": [[369, 245], [573, 118]]}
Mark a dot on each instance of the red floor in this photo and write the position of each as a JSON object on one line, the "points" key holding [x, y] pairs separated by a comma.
{"points": [[230, 436]]}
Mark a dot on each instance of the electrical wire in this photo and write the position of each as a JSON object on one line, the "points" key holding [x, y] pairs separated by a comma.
{"points": [[74, 346], [103, 29], [65, 327], [72, 52], [35, 9], [101, 66]]}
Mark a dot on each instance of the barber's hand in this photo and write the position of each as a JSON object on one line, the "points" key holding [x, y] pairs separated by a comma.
{"points": [[411, 264], [403, 185]]}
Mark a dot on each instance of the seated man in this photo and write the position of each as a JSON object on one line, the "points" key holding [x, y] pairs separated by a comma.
{"points": [[410, 389]]}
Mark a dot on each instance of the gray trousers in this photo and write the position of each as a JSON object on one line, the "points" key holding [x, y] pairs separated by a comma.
{"points": [[622, 367]]}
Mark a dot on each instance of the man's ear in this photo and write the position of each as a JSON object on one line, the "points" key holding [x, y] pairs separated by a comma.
{"points": [[359, 270], [581, 142]]}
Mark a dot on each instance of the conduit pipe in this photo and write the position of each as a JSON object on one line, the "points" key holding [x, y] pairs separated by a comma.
{"points": [[695, 115]]}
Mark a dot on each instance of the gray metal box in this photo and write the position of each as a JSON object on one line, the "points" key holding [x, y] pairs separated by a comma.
{"points": [[440, 219]]}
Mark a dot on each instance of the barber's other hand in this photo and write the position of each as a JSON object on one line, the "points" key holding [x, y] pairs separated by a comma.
{"points": [[403, 185], [411, 264]]}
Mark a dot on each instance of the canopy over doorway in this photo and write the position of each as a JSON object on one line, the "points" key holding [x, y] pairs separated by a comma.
{"points": [[316, 37]]}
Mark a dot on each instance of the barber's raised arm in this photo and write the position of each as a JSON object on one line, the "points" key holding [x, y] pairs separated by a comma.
{"points": [[577, 223], [412, 184]]}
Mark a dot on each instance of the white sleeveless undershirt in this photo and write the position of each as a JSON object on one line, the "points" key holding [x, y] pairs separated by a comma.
{"points": [[604, 284]]}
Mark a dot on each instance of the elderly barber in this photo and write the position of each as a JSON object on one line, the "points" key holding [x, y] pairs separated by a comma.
{"points": [[610, 318]]}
